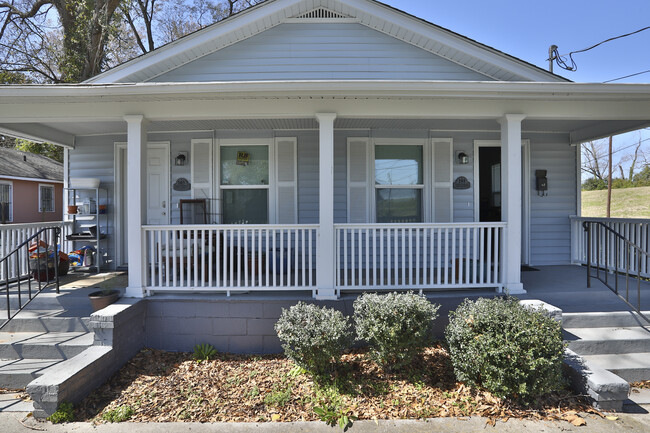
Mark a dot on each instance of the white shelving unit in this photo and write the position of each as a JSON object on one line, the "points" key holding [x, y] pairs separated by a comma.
{"points": [[81, 223]]}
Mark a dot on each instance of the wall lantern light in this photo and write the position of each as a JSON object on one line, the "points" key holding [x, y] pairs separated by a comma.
{"points": [[181, 158], [463, 158]]}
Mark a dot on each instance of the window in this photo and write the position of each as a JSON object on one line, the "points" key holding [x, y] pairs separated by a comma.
{"points": [[245, 184], [399, 182], [46, 198], [6, 202]]}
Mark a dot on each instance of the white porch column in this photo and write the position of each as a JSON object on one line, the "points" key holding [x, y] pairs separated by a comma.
{"points": [[136, 159], [511, 200], [325, 257]]}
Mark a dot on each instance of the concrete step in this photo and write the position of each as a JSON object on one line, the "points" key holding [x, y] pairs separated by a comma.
{"points": [[604, 319], [596, 341], [41, 345], [17, 373], [639, 396], [30, 321], [11, 402], [632, 367]]}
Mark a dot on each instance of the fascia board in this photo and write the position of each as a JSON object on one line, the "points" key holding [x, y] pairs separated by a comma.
{"points": [[30, 179], [411, 89]]}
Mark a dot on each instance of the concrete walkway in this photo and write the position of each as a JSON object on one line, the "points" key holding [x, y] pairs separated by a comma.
{"points": [[632, 423]]}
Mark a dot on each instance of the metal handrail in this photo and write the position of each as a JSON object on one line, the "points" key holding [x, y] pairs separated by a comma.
{"points": [[628, 247], [4, 261]]}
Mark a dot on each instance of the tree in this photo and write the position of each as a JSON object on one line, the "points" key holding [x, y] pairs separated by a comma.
{"points": [[29, 47], [52, 151]]}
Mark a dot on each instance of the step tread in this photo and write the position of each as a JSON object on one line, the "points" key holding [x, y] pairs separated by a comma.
{"points": [[621, 361], [611, 334], [26, 366], [47, 338]]}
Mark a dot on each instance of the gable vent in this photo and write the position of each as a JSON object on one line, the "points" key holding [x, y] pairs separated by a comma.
{"points": [[322, 13]]}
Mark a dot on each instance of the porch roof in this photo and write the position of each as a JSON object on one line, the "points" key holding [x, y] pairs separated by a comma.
{"points": [[59, 113]]}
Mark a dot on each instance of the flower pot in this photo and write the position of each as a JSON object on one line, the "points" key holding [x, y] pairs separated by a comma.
{"points": [[99, 299], [72, 210]]}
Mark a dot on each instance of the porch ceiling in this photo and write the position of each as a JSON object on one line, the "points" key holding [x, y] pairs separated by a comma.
{"points": [[579, 130]]}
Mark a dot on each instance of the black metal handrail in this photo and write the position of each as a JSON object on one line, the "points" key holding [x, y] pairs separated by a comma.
{"points": [[42, 263], [631, 252]]}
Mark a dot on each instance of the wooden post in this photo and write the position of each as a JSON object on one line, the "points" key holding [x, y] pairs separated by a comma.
{"points": [[609, 180]]}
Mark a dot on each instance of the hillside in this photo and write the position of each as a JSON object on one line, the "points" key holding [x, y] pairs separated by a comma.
{"points": [[626, 203]]}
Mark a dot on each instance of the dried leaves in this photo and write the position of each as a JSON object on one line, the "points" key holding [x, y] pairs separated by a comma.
{"points": [[644, 384], [162, 386]]}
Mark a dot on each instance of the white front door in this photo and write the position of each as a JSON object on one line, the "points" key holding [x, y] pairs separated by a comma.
{"points": [[157, 192], [157, 185]]}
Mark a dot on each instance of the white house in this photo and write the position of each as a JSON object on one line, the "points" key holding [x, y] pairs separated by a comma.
{"points": [[337, 145]]}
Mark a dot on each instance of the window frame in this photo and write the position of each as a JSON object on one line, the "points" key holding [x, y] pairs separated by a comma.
{"points": [[270, 187], [11, 199], [40, 198], [426, 174]]}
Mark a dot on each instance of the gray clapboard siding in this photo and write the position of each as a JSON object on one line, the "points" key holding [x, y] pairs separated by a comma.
{"points": [[320, 51], [550, 232]]}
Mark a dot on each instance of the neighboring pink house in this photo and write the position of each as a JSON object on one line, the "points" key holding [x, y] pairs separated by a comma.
{"points": [[31, 187]]}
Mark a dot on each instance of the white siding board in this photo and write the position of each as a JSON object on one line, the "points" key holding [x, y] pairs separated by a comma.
{"points": [[302, 51]]}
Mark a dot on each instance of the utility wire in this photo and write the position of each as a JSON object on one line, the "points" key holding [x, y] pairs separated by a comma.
{"points": [[560, 58], [627, 76]]}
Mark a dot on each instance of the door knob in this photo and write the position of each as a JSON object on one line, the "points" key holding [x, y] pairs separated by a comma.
{"points": [[164, 204]]}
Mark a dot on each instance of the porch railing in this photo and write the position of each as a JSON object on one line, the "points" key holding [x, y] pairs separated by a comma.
{"points": [[13, 235], [230, 257], [605, 245], [419, 256]]}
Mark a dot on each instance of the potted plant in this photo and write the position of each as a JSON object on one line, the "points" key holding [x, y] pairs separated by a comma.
{"points": [[103, 297]]}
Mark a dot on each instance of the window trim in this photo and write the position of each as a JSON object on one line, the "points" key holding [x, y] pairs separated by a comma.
{"points": [[426, 174], [40, 197], [11, 199], [271, 186]]}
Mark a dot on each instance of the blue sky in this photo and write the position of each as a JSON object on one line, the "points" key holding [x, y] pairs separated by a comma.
{"points": [[526, 29]]}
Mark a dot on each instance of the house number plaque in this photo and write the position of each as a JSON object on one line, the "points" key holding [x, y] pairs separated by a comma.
{"points": [[462, 183]]}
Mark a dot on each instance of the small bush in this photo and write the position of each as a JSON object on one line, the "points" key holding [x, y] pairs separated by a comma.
{"points": [[396, 326], [510, 350], [119, 414], [313, 337], [64, 413], [204, 352]]}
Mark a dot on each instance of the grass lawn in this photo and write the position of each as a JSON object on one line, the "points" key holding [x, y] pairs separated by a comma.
{"points": [[158, 386], [626, 203]]}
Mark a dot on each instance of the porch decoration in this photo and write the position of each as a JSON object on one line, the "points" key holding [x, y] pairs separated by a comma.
{"points": [[103, 298], [243, 158]]}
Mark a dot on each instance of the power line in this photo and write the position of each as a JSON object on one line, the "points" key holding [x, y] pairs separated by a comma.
{"points": [[560, 58], [627, 76]]}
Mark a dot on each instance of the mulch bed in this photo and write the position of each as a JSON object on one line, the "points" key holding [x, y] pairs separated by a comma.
{"points": [[164, 387]]}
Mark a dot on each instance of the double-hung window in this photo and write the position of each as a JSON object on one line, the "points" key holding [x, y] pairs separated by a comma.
{"points": [[46, 198], [6, 202], [399, 183], [244, 183]]}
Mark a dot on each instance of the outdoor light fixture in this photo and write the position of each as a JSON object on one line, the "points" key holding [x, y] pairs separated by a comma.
{"points": [[463, 158], [180, 158]]}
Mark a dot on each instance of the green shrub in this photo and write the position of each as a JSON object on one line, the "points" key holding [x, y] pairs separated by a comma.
{"points": [[510, 350], [204, 352], [64, 413], [395, 325], [313, 337], [119, 414]]}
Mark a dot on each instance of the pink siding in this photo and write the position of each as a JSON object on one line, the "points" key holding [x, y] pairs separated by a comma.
{"points": [[25, 201]]}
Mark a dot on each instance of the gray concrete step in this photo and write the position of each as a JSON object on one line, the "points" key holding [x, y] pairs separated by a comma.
{"points": [[595, 341], [17, 373], [632, 367], [30, 321], [12, 402], [610, 319], [43, 345]]}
